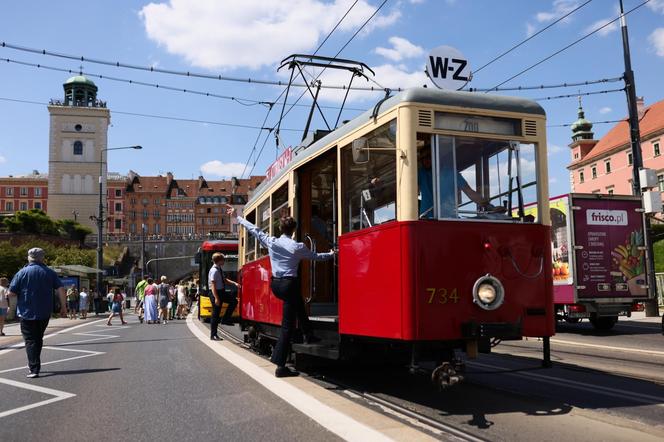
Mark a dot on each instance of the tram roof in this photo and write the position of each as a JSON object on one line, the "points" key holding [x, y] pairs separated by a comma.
{"points": [[219, 245], [460, 99]]}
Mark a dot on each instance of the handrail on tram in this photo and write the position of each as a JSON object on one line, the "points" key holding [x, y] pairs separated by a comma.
{"points": [[312, 275]]}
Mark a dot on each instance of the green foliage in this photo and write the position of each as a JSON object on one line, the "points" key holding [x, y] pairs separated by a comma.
{"points": [[658, 254], [32, 221], [73, 230], [13, 257]]}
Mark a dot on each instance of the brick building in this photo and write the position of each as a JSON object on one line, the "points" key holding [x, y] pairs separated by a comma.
{"points": [[23, 192], [605, 165]]}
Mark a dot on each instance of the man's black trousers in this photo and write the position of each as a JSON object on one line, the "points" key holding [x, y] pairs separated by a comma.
{"points": [[229, 299], [33, 335], [288, 290]]}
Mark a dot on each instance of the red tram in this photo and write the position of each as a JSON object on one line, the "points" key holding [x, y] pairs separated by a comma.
{"points": [[424, 198]]}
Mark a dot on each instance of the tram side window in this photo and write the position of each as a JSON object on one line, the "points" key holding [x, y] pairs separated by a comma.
{"points": [[249, 239], [279, 208], [369, 189], [263, 214]]}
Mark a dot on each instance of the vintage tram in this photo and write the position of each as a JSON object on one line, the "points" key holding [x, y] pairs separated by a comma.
{"points": [[424, 197], [204, 259]]}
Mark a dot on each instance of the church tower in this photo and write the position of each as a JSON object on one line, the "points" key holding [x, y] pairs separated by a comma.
{"points": [[76, 159]]}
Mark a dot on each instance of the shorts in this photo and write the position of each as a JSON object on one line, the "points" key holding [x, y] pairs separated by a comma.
{"points": [[116, 307], [3, 312], [163, 302], [72, 305]]}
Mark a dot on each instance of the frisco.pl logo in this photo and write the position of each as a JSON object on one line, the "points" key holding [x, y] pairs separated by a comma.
{"points": [[598, 217]]}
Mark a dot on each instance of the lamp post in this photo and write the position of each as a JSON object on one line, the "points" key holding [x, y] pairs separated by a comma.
{"points": [[99, 219], [143, 251]]}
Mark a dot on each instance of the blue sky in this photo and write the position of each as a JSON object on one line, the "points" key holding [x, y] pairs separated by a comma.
{"points": [[248, 39]]}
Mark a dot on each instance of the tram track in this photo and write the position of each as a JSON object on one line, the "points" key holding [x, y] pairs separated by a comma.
{"points": [[407, 415]]}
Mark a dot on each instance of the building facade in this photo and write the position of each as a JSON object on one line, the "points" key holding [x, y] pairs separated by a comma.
{"points": [[605, 165], [76, 161], [23, 193]]}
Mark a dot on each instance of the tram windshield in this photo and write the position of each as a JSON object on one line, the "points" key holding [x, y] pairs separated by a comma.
{"points": [[475, 178]]}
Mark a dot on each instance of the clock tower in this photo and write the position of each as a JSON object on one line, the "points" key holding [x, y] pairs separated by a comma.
{"points": [[77, 139]]}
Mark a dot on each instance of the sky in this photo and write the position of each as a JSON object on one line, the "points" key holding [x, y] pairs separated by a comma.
{"points": [[248, 39]]}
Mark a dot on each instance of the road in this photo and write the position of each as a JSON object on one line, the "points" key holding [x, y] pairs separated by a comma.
{"points": [[165, 382]]}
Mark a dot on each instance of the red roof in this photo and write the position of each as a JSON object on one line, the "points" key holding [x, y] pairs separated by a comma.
{"points": [[652, 121]]}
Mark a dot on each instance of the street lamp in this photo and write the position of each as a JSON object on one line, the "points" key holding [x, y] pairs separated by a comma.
{"points": [[100, 217]]}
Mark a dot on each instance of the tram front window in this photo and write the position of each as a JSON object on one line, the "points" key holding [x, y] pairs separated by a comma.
{"points": [[476, 177]]}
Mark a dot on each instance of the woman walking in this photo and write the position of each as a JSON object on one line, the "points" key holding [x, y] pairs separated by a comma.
{"points": [[164, 294], [116, 306], [182, 300], [83, 303], [72, 302], [150, 302]]}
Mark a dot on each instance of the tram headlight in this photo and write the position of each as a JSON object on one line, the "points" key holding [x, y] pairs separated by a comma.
{"points": [[488, 292]]}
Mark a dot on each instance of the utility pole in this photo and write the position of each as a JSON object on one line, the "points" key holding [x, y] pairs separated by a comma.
{"points": [[635, 138]]}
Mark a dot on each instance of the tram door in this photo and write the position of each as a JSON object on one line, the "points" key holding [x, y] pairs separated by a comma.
{"points": [[317, 189]]}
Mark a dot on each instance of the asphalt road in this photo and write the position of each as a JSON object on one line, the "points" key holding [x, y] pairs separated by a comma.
{"points": [[140, 383]]}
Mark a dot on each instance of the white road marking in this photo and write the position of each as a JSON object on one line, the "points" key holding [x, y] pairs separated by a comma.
{"points": [[59, 396], [89, 353], [608, 347], [338, 423], [640, 398]]}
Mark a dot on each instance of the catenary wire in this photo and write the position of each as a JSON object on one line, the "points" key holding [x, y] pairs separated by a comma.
{"points": [[498, 57], [556, 97], [593, 122], [567, 47], [549, 86]]}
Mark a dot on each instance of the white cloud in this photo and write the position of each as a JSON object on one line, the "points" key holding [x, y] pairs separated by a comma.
{"points": [[221, 169], [553, 149], [605, 110], [401, 48], [656, 5], [530, 29], [604, 31], [553, 180], [217, 34], [3, 160], [416, 2], [656, 39], [560, 8]]}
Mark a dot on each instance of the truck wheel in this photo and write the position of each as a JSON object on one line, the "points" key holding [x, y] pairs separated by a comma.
{"points": [[604, 323]]}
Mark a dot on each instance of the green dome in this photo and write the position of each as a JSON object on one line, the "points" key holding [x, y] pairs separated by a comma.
{"points": [[582, 128], [80, 79]]}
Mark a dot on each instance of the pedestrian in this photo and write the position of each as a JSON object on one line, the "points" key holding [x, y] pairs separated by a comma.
{"points": [[72, 302], [217, 282], [83, 303], [34, 285], [116, 306], [172, 302], [140, 292], [150, 302], [285, 255], [4, 303], [182, 300], [163, 299], [96, 302]]}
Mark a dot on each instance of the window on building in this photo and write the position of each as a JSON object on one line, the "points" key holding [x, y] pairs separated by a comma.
{"points": [[23, 205], [609, 191], [660, 182], [38, 191], [38, 205], [581, 177], [78, 148], [145, 214], [157, 228], [118, 193], [132, 228], [144, 201], [655, 148], [607, 166], [9, 191], [132, 201], [118, 207], [593, 171], [576, 156], [24, 191], [9, 206], [118, 224], [630, 160]]}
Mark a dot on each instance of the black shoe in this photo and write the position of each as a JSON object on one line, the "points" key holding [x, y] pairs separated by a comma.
{"points": [[228, 322], [311, 339], [285, 372], [215, 338]]}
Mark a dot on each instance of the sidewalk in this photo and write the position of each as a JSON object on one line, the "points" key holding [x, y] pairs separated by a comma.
{"points": [[641, 317]]}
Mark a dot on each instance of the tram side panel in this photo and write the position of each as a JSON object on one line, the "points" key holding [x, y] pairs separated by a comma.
{"points": [[414, 280], [257, 302]]}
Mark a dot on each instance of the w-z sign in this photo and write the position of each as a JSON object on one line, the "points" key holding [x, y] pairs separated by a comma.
{"points": [[448, 68]]}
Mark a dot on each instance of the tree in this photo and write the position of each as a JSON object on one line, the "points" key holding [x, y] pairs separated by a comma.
{"points": [[74, 230], [32, 221]]}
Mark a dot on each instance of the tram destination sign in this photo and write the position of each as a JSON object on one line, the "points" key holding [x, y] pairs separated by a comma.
{"points": [[279, 164], [475, 123], [448, 68]]}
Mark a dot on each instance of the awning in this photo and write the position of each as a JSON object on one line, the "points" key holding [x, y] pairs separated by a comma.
{"points": [[76, 269]]}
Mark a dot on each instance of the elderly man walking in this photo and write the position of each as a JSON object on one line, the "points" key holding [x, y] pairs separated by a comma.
{"points": [[33, 285]]}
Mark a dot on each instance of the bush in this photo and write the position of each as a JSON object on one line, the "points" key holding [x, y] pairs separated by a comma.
{"points": [[13, 257]]}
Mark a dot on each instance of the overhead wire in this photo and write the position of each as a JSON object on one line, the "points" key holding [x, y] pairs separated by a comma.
{"points": [[523, 71], [593, 122], [606, 91], [550, 86]]}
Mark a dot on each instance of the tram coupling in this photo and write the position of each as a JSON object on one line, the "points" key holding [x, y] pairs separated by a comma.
{"points": [[447, 374]]}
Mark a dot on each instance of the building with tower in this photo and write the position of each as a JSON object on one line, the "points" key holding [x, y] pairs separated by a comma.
{"points": [[605, 165], [76, 159]]}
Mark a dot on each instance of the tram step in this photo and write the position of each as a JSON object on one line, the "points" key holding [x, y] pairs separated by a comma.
{"points": [[321, 349]]}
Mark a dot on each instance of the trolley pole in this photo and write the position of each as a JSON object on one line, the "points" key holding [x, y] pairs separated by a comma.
{"points": [[635, 139]]}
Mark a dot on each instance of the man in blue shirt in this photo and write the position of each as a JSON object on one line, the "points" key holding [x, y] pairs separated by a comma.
{"points": [[285, 255], [33, 285]]}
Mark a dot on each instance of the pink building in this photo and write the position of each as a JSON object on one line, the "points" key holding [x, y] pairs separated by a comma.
{"points": [[605, 166]]}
